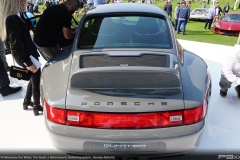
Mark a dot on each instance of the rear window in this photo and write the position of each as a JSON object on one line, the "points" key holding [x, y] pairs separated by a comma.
{"points": [[200, 10], [125, 32]]}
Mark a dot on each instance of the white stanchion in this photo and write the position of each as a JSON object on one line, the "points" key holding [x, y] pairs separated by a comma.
{"points": [[235, 5], [237, 45], [212, 3], [238, 41]]}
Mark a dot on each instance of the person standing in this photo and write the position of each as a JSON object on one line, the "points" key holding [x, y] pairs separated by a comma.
{"points": [[16, 33], [230, 73], [5, 89], [217, 13], [226, 8], [47, 3], [175, 16], [183, 15], [98, 2], [219, 9], [55, 19], [204, 4], [209, 17], [23, 15], [168, 9], [188, 3], [3, 56], [29, 6]]}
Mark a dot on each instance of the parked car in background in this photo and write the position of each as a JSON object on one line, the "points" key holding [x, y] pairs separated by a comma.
{"points": [[117, 1], [229, 25], [198, 14], [126, 87]]}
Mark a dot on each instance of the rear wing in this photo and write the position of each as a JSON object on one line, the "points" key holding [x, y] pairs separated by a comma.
{"points": [[126, 78]]}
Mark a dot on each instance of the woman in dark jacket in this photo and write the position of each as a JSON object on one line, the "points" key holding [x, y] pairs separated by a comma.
{"points": [[15, 32]]}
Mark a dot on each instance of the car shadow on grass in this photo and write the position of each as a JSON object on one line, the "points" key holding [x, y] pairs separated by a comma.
{"points": [[199, 33]]}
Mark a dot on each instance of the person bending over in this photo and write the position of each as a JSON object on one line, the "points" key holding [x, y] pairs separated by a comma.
{"points": [[55, 19], [231, 73]]}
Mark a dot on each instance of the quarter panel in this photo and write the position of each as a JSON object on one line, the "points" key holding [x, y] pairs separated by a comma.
{"points": [[54, 80], [193, 75]]}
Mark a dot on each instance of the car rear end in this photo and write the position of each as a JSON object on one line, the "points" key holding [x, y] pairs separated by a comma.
{"points": [[125, 110], [198, 13], [124, 94]]}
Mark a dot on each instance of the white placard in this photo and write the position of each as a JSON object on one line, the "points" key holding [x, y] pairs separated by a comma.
{"points": [[35, 62]]}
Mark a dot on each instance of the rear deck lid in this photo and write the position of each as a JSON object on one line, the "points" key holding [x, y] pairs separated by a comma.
{"points": [[125, 89]]}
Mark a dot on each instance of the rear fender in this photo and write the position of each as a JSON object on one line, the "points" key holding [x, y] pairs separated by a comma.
{"points": [[54, 79], [194, 78]]}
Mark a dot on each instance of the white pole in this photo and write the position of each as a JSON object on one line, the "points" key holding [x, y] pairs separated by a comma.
{"points": [[238, 41], [235, 4], [212, 5]]}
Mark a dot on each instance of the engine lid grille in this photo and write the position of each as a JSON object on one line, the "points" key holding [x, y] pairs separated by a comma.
{"points": [[148, 60]]}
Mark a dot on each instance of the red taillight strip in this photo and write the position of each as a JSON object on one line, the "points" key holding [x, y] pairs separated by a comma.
{"points": [[125, 120], [54, 114]]}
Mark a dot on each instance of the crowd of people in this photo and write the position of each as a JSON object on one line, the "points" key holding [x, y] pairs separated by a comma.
{"points": [[15, 33], [32, 7], [182, 14]]}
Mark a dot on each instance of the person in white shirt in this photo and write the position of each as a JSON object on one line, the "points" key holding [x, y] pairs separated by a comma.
{"points": [[231, 73], [217, 13], [204, 4]]}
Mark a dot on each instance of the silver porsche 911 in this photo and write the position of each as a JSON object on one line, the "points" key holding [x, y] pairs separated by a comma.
{"points": [[125, 86]]}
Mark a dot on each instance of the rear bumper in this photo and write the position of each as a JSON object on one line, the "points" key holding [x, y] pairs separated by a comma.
{"points": [[147, 142], [200, 18]]}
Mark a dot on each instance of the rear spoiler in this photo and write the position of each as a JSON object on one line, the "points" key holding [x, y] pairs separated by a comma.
{"points": [[126, 78]]}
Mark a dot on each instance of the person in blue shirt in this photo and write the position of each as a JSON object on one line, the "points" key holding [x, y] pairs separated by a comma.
{"points": [[183, 16], [204, 4], [168, 9], [98, 2]]}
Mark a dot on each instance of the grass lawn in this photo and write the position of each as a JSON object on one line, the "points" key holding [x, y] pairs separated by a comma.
{"points": [[194, 29]]}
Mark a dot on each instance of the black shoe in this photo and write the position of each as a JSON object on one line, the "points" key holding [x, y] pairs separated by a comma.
{"points": [[184, 33], [180, 31], [27, 103], [8, 69], [237, 88], [223, 94], [36, 108], [205, 28], [11, 90]]}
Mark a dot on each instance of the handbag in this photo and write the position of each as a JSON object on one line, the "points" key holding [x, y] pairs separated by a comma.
{"points": [[18, 72]]}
